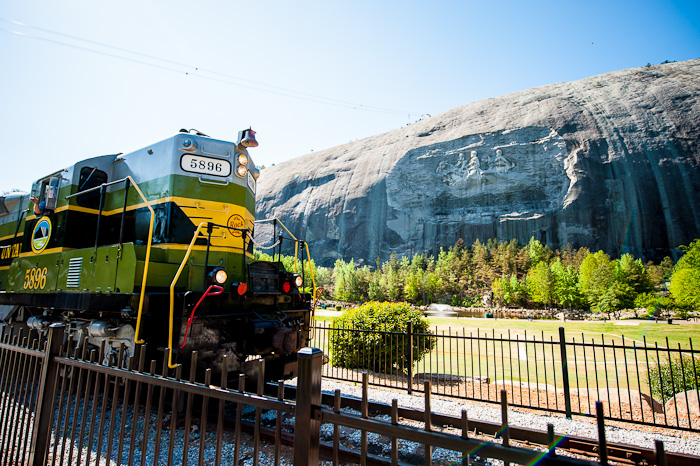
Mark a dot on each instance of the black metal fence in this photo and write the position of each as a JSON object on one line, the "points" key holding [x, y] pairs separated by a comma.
{"points": [[635, 381], [59, 406]]}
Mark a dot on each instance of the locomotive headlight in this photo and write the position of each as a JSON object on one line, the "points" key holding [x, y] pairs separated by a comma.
{"points": [[241, 171], [298, 281], [242, 159], [218, 275]]}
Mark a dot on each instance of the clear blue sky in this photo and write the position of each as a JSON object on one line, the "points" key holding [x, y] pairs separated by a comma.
{"points": [[86, 78]]}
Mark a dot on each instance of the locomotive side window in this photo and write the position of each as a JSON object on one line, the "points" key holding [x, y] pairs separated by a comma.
{"points": [[51, 192], [90, 177]]}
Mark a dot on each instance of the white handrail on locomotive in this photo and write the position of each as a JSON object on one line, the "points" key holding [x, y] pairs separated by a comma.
{"points": [[128, 180]]}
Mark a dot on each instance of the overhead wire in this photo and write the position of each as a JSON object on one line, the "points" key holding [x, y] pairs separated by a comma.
{"points": [[189, 70]]}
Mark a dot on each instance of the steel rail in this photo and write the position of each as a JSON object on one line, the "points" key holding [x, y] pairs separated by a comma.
{"points": [[624, 453]]}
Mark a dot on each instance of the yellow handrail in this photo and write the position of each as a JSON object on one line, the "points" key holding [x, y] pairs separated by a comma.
{"points": [[148, 258], [172, 293], [313, 296], [313, 279]]}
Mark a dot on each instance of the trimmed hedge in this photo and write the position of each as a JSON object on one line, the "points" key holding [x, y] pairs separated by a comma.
{"points": [[374, 336]]}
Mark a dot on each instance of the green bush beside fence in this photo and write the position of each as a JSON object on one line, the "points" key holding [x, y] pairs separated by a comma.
{"points": [[355, 344], [672, 376]]}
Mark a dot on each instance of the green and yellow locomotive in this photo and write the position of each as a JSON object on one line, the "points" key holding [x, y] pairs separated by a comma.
{"points": [[155, 245]]}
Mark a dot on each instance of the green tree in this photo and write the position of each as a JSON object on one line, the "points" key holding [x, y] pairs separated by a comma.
{"points": [[364, 277], [567, 291], [505, 256], [691, 256], [633, 272], [538, 252], [484, 272], [418, 263], [444, 274], [498, 290], [411, 290], [347, 283], [393, 287], [615, 298], [632, 279], [596, 279], [659, 274], [685, 287], [507, 290], [685, 280], [375, 288], [324, 279], [516, 291], [540, 284]]}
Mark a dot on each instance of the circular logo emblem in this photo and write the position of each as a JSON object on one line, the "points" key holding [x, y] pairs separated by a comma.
{"points": [[41, 234], [236, 221]]}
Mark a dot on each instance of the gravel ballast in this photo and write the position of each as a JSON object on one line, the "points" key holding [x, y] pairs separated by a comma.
{"points": [[579, 426]]}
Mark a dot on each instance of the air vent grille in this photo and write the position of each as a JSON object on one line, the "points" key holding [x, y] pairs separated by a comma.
{"points": [[75, 267]]}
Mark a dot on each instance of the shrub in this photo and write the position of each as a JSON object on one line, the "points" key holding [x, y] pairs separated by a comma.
{"points": [[671, 376], [373, 336]]}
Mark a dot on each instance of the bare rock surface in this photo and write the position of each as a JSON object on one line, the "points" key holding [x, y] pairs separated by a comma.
{"points": [[683, 410], [608, 162]]}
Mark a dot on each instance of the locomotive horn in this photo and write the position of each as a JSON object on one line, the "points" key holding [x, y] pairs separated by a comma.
{"points": [[247, 138]]}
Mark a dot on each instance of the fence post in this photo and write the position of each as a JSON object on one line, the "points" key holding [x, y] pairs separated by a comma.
{"points": [[46, 398], [409, 330], [565, 372], [307, 429], [602, 442]]}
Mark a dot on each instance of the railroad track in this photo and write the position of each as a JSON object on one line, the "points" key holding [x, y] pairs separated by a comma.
{"points": [[617, 452]]}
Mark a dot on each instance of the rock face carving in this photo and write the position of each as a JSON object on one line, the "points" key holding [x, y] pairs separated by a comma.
{"points": [[478, 179], [610, 162]]}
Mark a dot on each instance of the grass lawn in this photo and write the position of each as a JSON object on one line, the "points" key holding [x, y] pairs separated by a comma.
{"points": [[521, 350], [599, 331]]}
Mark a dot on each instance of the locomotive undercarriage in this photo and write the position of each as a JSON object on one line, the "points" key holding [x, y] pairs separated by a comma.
{"points": [[244, 341], [268, 327], [244, 330], [100, 333]]}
